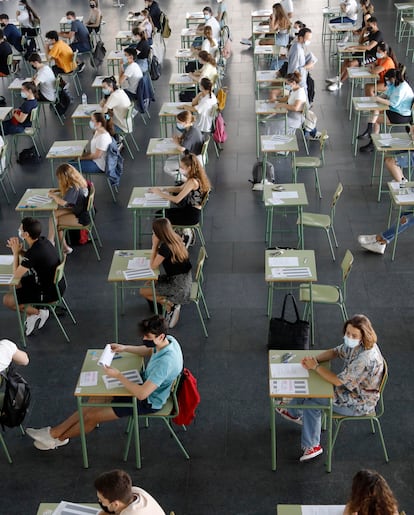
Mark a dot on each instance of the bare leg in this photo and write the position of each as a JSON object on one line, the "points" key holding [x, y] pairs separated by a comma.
{"points": [[70, 427], [147, 294], [9, 302], [394, 169]]}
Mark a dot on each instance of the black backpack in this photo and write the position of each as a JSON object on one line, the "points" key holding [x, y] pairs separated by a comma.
{"points": [[16, 398], [155, 68], [63, 102], [99, 53], [28, 156]]}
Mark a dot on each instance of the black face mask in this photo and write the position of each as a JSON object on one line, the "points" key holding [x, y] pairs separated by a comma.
{"points": [[105, 508], [34, 67], [148, 343], [2, 24]]}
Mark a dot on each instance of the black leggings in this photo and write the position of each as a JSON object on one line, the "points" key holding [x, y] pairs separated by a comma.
{"points": [[187, 215], [394, 117]]}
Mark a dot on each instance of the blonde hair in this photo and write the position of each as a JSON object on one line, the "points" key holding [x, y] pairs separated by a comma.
{"points": [[68, 177], [164, 231]]}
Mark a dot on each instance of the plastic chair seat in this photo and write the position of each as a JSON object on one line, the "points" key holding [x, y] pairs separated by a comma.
{"points": [[165, 411], [194, 291], [316, 220], [322, 293], [29, 131], [308, 162]]}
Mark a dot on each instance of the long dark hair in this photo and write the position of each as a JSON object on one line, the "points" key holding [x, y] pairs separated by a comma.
{"points": [[371, 495]]}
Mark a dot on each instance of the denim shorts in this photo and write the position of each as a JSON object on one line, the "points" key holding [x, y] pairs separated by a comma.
{"points": [[402, 160]]}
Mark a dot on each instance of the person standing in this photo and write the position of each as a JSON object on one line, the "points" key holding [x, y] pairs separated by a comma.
{"points": [[297, 61], [5, 51]]}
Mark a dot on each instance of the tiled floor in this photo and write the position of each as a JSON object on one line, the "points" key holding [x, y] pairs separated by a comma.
{"points": [[229, 471]]}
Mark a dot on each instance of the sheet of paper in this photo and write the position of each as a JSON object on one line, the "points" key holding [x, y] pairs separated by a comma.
{"points": [[6, 278], [289, 386], [38, 200], [156, 203], [275, 201], [366, 105], [323, 510], [395, 185], [285, 194], [133, 375], [283, 261], [138, 201], [88, 378], [405, 198], [282, 370], [291, 272], [131, 275], [70, 508], [138, 263], [6, 259], [106, 357]]}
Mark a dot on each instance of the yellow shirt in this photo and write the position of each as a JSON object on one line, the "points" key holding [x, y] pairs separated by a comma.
{"points": [[63, 55]]}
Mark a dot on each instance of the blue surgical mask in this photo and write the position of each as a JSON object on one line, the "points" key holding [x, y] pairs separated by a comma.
{"points": [[125, 60], [23, 94], [288, 87], [379, 56], [92, 125], [207, 17], [180, 127], [106, 91], [351, 342], [148, 343]]}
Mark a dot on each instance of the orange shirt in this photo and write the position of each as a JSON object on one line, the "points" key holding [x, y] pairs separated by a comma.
{"points": [[63, 55], [387, 63]]}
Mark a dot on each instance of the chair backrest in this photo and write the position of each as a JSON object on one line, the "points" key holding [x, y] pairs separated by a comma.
{"points": [[3, 158], [57, 86], [34, 116], [129, 118], [200, 263], [60, 270], [75, 60], [335, 198], [205, 199], [204, 151], [380, 406], [346, 267], [322, 142], [91, 198]]}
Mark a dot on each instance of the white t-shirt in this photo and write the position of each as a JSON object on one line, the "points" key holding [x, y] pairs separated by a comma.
{"points": [[24, 19], [211, 49], [205, 109], [7, 351], [119, 102], [209, 71], [215, 27], [351, 9], [144, 504], [134, 74], [287, 6], [101, 142], [47, 81], [295, 117], [3, 159]]}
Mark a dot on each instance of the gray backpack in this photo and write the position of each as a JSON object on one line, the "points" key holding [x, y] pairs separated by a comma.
{"points": [[257, 172]]}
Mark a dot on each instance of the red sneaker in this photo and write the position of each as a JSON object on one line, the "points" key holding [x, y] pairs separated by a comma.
{"points": [[311, 452], [285, 414]]}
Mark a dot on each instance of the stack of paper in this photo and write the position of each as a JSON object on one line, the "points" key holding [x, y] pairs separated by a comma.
{"points": [[6, 278], [70, 508], [289, 386], [133, 375], [131, 275], [291, 272], [38, 200], [6, 259], [138, 263]]}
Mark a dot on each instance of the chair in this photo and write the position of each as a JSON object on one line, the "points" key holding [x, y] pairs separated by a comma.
{"points": [[74, 74], [89, 52], [130, 124], [169, 411], [321, 221], [197, 227], [204, 152], [60, 302], [302, 130], [91, 227], [326, 293], [2, 440], [30, 132], [4, 171], [197, 294], [53, 103], [312, 162], [338, 420]]}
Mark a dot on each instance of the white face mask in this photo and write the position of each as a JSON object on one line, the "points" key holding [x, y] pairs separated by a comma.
{"points": [[351, 342], [307, 42], [20, 233]]}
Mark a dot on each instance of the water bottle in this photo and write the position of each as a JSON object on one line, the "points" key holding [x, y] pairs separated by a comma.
{"points": [[84, 100]]}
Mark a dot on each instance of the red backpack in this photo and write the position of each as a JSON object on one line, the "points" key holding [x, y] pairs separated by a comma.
{"points": [[220, 134], [188, 399]]}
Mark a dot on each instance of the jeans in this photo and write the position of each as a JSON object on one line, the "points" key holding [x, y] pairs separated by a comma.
{"points": [[342, 19], [311, 429], [389, 234], [87, 166], [10, 128]]}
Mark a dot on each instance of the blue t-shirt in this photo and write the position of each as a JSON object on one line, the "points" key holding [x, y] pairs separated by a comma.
{"points": [[163, 367], [401, 98], [13, 36], [81, 33], [27, 107]]}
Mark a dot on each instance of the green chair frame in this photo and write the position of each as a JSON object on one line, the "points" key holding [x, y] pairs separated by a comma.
{"points": [[91, 227], [204, 151], [30, 132], [169, 411], [52, 306], [338, 420], [130, 123], [197, 295], [74, 74], [322, 221], [329, 294], [53, 103], [311, 163], [2, 440], [4, 171]]}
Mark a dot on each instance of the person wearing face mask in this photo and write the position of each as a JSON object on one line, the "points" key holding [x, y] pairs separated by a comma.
{"points": [[294, 102], [44, 78], [203, 105], [164, 365], [142, 48], [118, 101], [399, 98], [210, 21], [297, 55], [349, 12], [60, 52], [5, 51], [11, 32], [155, 12], [173, 288], [386, 60], [356, 387], [21, 117], [221, 12], [146, 25], [78, 35], [117, 495], [35, 268], [131, 73], [93, 23]]}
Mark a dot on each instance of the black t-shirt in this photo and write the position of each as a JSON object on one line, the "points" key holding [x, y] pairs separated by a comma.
{"points": [[5, 51], [155, 13], [143, 49], [41, 259], [193, 140], [26, 108], [374, 36], [170, 267]]}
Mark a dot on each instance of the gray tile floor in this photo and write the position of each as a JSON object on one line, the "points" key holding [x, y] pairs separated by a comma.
{"points": [[229, 471]]}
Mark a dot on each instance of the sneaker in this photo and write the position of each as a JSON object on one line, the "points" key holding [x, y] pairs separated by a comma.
{"points": [[43, 438], [376, 247], [246, 41], [175, 315], [335, 86], [311, 452], [44, 315], [32, 322], [188, 237], [318, 135], [68, 251], [364, 239], [285, 414], [81, 67], [369, 147], [403, 179], [331, 81], [168, 316]]}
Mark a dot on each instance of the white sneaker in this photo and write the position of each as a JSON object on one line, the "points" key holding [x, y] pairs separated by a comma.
{"points": [[175, 315], [44, 315], [44, 447], [376, 247], [335, 86], [43, 439], [364, 239], [246, 41], [134, 113], [332, 80], [32, 321]]}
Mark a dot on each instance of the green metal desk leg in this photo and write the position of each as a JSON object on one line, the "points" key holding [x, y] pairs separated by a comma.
{"points": [[152, 170], [269, 299], [75, 132], [300, 228], [380, 177], [273, 433], [312, 317], [154, 297], [136, 433], [82, 434], [257, 137], [350, 98], [134, 228], [19, 317], [116, 311], [329, 443]]}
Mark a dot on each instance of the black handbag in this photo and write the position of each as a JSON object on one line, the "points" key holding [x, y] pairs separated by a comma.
{"points": [[287, 335]]}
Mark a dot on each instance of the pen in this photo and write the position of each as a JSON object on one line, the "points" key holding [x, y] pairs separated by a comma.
{"points": [[27, 207], [290, 357], [117, 357]]}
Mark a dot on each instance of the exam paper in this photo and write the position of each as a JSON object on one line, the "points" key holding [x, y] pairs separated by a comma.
{"points": [[285, 194], [322, 510], [106, 357], [282, 370], [405, 198], [88, 378], [289, 386], [283, 261], [130, 275], [70, 508], [6, 278], [138, 263], [6, 259], [133, 375], [291, 272]]}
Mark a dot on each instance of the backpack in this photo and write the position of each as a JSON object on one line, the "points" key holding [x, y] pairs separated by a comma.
{"points": [[257, 172], [188, 398], [220, 134], [310, 121], [99, 53], [63, 102], [310, 84], [16, 399], [114, 164], [165, 28], [221, 98], [28, 155], [155, 68]]}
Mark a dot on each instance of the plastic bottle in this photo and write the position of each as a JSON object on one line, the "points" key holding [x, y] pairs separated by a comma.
{"points": [[84, 100]]}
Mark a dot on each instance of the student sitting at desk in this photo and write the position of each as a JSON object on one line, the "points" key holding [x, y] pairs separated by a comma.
{"points": [[164, 365], [204, 105], [116, 99], [371, 494], [142, 47], [386, 60], [60, 52], [356, 388], [21, 117], [208, 68], [93, 22], [44, 78], [295, 102], [174, 287], [131, 73], [117, 495]]}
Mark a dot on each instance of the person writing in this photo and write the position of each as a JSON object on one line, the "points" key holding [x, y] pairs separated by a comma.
{"points": [[164, 365], [20, 119], [356, 387]]}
